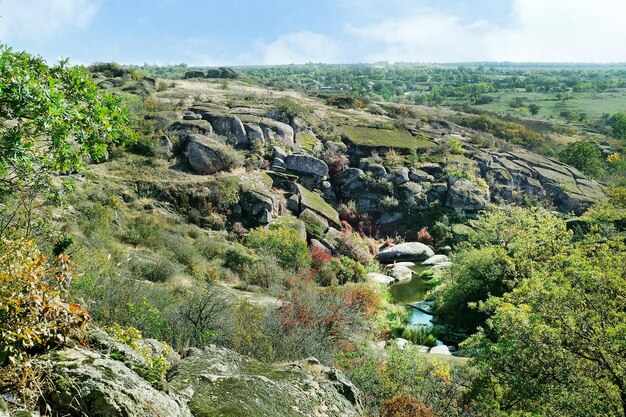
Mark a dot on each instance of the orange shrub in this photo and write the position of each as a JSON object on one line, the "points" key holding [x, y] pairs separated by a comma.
{"points": [[34, 315]]}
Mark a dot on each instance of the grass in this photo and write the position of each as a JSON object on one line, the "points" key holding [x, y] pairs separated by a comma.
{"points": [[592, 103], [400, 139]]}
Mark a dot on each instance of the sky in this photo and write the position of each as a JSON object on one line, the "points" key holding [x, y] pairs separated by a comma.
{"points": [[269, 32]]}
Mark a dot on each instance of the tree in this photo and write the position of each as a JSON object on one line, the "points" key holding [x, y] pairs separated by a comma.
{"points": [[584, 156], [618, 125], [534, 109], [555, 345], [52, 118]]}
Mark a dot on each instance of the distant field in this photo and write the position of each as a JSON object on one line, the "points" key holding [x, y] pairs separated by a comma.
{"points": [[369, 136], [593, 104]]}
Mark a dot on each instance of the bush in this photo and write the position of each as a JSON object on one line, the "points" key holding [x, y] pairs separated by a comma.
{"points": [[143, 231], [404, 405], [475, 275], [284, 244], [34, 313], [132, 337], [584, 156]]}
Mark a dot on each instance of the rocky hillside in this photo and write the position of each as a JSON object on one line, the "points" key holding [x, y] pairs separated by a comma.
{"points": [[112, 379], [396, 176]]}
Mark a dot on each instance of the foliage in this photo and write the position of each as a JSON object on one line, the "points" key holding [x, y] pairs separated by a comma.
{"points": [[34, 312], [618, 125], [512, 131], [289, 109], [584, 156], [132, 337], [510, 243], [249, 338], [475, 275], [52, 119], [438, 384], [284, 244], [455, 147], [553, 346], [424, 236], [404, 405]]}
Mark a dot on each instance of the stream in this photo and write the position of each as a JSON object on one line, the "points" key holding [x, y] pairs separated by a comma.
{"points": [[411, 292]]}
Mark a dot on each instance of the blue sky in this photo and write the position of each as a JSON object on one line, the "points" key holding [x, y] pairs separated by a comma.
{"points": [[246, 32]]}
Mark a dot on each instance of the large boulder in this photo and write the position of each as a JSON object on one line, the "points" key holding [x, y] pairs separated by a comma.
{"points": [[227, 125], [274, 130], [199, 127], [225, 383], [256, 199], [289, 222], [316, 225], [463, 194], [313, 201], [410, 251], [206, 155], [379, 278], [194, 74], [88, 382], [306, 164]]}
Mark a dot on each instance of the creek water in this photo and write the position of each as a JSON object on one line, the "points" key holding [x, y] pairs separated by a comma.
{"points": [[411, 292]]}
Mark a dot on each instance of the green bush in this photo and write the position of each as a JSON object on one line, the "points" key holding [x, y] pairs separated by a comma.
{"points": [[284, 244], [143, 231]]}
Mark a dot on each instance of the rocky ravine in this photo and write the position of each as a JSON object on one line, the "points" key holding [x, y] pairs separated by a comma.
{"points": [[300, 184]]}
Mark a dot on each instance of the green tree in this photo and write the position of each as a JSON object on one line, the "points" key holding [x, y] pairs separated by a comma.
{"points": [[534, 109], [584, 156], [52, 118], [555, 345], [618, 125], [284, 244]]}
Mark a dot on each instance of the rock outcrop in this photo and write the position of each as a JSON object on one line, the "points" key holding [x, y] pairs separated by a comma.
{"points": [[224, 383]]}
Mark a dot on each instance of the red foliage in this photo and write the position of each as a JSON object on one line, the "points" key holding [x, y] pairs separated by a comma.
{"points": [[345, 227], [338, 164], [319, 258], [368, 227], [424, 236]]}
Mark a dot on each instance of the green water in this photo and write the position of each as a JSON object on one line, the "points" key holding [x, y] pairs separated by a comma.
{"points": [[411, 291]]}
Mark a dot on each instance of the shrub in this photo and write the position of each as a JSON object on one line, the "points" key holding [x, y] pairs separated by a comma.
{"points": [[34, 313], [347, 270], [132, 337], [584, 156], [154, 270], [404, 405], [424, 236], [319, 258], [393, 158], [352, 245], [143, 231], [249, 338], [284, 244], [455, 147]]}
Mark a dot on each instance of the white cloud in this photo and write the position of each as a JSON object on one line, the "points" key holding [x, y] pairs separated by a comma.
{"points": [[40, 20], [537, 30], [424, 35], [562, 30], [300, 48]]}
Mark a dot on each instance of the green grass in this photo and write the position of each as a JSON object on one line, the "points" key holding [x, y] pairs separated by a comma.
{"points": [[592, 103], [401, 139]]}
